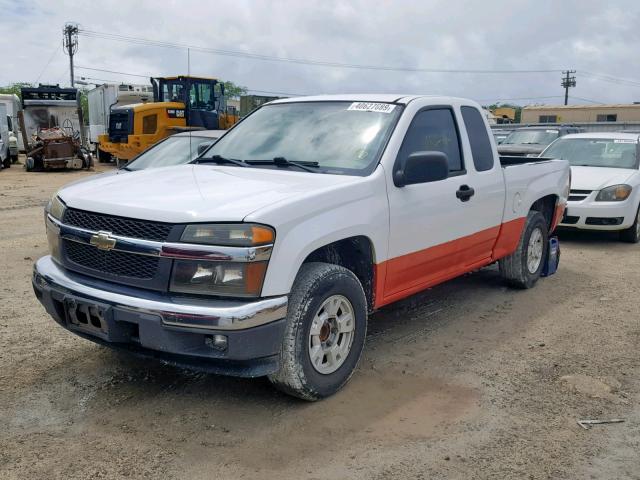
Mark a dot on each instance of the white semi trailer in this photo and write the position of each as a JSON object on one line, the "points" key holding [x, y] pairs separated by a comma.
{"points": [[13, 106], [102, 98]]}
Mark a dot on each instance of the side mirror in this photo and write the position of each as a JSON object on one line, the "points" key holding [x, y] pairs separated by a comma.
{"points": [[422, 167], [203, 147]]}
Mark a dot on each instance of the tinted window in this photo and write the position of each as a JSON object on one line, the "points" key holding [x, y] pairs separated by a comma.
{"points": [[434, 130], [149, 124], [478, 138]]}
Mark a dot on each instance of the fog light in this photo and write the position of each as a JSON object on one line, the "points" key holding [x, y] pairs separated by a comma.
{"points": [[217, 342]]}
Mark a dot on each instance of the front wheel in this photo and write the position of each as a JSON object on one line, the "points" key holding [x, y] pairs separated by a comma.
{"points": [[632, 234], [103, 157], [325, 332], [523, 268]]}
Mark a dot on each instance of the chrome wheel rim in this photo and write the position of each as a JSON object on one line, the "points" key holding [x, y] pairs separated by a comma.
{"points": [[331, 334], [534, 250]]}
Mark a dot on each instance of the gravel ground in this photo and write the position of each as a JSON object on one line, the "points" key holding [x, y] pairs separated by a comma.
{"points": [[467, 380]]}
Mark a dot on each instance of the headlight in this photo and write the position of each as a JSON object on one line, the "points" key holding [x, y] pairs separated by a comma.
{"points": [[56, 208], [614, 193], [230, 235], [231, 279]]}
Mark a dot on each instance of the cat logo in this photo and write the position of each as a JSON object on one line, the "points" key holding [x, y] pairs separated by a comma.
{"points": [[103, 240]]}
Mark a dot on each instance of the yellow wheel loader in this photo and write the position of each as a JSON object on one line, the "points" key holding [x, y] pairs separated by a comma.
{"points": [[180, 103]]}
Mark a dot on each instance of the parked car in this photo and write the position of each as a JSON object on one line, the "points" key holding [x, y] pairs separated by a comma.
{"points": [[530, 141], [175, 150], [605, 185], [500, 134], [266, 255]]}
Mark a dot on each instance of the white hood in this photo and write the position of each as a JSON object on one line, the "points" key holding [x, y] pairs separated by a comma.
{"points": [[597, 178], [195, 193]]}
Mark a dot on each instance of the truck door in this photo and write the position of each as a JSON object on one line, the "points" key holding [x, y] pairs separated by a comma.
{"points": [[439, 229]]}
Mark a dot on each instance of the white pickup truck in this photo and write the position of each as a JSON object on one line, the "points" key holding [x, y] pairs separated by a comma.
{"points": [[266, 256]]}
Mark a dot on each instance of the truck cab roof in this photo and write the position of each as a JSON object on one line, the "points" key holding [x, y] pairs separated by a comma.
{"points": [[369, 97]]}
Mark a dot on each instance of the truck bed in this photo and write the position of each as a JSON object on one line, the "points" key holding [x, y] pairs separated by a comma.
{"points": [[507, 160]]}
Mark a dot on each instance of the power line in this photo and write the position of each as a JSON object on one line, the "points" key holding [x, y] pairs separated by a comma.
{"points": [[585, 99], [610, 79], [321, 63], [112, 71], [53, 54], [518, 98], [148, 76]]}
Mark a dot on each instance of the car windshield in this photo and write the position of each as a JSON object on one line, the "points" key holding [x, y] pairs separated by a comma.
{"points": [[172, 151], [531, 137], [342, 137], [595, 152]]}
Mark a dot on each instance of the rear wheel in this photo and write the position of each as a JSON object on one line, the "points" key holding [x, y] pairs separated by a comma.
{"points": [[523, 268], [6, 163], [325, 332], [632, 234]]}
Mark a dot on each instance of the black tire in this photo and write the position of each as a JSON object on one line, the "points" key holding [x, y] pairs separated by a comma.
{"points": [[6, 163], [314, 284], [103, 157], [632, 234], [514, 268]]}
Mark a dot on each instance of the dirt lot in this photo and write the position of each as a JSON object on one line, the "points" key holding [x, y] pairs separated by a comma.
{"points": [[467, 380]]}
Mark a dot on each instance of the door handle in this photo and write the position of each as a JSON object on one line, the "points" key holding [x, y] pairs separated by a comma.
{"points": [[465, 192]]}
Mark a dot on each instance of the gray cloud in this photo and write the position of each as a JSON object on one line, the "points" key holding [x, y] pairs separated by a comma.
{"points": [[586, 35]]}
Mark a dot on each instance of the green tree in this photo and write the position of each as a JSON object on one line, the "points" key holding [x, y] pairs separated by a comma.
{"points": [[232, 90], [14, 88]]}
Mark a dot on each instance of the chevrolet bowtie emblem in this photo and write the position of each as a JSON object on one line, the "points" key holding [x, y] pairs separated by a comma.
{"points": [[103, 240]]}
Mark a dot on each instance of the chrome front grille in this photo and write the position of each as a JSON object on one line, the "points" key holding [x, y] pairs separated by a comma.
{"points": [[126, 227]]}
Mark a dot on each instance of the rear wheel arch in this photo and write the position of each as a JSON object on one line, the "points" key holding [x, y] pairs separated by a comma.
{"points": [[547, 207]]}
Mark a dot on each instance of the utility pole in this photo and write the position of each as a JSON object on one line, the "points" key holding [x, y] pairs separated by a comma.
{"points": [[567, 82], [70, 39]]}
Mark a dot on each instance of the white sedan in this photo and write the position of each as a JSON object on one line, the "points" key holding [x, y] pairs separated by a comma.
{"points": [[605, 181]]}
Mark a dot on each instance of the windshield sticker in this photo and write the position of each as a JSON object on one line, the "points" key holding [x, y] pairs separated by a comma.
{"points": [[372, 107], [624, 141]]}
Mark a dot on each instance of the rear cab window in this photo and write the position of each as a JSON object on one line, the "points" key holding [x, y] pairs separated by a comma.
{"points": [[481, 150], [435, 129]]}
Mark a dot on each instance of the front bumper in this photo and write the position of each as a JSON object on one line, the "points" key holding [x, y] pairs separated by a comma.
{"points": [[177, 330], [592, 215]]}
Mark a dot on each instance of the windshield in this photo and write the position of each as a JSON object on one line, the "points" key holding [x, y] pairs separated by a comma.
{"points": [[595, 152], [172, 151], [342, 137], [531, 137]]}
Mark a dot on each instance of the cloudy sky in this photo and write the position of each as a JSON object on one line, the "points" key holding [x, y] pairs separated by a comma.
{"points": [[601, 40]]}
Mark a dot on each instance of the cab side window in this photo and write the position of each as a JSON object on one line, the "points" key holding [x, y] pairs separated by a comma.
{"points": [[149, 124], [478, 139], [434, 130]]}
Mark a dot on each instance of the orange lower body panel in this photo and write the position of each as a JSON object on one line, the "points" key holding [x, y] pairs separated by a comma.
{"points": [[402, 276], [557, 216]]}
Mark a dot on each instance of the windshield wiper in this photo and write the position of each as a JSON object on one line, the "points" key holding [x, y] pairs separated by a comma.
{"points": [[220, 159], [283, 162]]}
